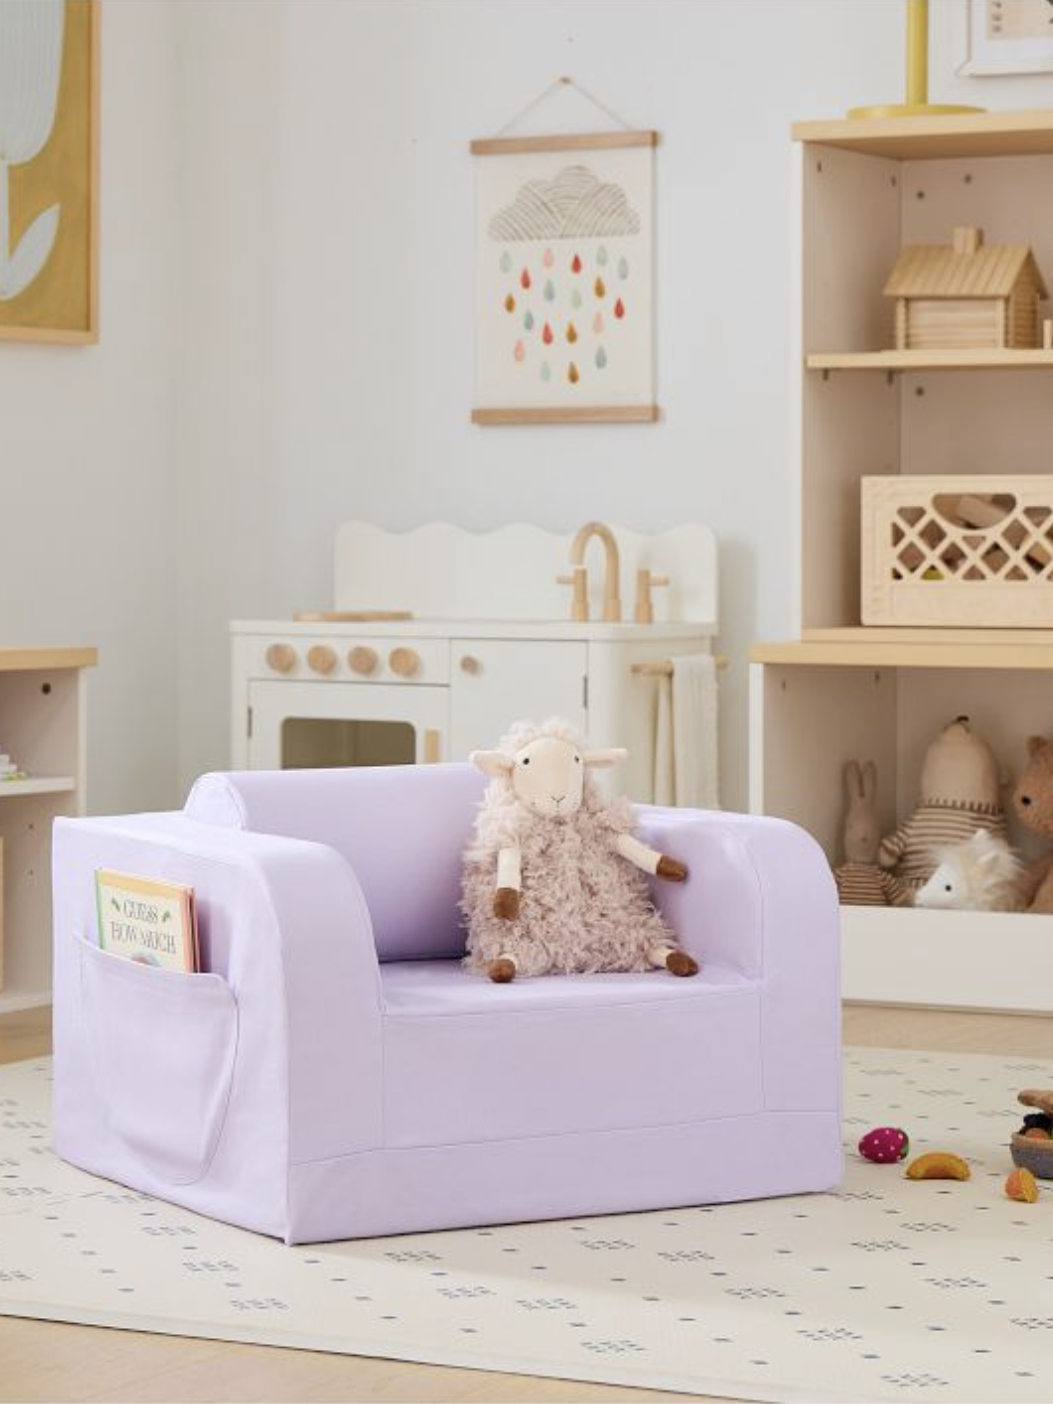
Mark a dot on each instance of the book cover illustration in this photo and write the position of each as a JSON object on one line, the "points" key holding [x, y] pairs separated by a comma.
{"points": [[145, 920]]}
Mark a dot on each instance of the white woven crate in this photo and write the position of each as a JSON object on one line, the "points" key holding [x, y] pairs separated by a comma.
{"points": [[958, 551]]}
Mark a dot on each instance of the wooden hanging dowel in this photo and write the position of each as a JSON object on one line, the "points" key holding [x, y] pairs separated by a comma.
{"points": [[664, 669]]}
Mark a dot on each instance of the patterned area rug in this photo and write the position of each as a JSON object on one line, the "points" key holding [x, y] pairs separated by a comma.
{"points": [[888, 1289]]}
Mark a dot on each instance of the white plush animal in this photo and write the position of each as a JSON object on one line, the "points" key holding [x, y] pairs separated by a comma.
{"points": [[980, 875], [547, 888]]}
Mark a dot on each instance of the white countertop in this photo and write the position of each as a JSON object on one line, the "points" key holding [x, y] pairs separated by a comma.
{"points": [[478, 629]]}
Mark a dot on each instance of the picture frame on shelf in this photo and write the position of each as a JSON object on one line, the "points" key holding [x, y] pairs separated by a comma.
{"points": [[49, 171], [1007, 37]]}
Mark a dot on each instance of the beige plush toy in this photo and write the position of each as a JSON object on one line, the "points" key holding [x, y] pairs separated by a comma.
{"points": [[1033, 802], [860, 882], [959, 795]]}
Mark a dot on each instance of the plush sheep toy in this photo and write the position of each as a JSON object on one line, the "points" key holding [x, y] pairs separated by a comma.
{"points": [[547, 889], [980, 875]]}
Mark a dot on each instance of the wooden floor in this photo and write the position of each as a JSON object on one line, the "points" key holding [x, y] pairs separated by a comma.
{"points": [[45, 1361]]}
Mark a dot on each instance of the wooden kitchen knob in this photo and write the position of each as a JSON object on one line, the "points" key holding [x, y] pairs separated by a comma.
{"points": [[322, 659], [470, 664], [404, 661], [281, 657], [363, 660]]}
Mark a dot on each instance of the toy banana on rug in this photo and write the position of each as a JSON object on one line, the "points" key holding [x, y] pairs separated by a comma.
{"points": [[554, 879]]}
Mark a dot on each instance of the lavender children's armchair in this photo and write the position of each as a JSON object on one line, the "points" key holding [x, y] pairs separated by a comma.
{"points": [[336, 1073]]}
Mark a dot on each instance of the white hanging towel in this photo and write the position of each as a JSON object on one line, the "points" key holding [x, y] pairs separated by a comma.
{"points": [[685, 749]]}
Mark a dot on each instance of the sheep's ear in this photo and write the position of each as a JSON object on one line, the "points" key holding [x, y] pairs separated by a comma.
{"points": [[602, 760], [494, 763], [1035, 744]]}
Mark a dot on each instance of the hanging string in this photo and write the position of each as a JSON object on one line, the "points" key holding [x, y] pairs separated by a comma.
{"points": [[543, 97]]}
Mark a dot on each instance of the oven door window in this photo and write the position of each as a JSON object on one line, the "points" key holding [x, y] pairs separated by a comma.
{"points": [[308, 743]]}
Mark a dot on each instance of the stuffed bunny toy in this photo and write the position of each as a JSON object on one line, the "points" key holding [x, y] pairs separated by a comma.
{"points": [[860, 882]]}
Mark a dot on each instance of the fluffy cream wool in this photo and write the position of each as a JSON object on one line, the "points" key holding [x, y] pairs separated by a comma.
{"points": [[584, 908]]}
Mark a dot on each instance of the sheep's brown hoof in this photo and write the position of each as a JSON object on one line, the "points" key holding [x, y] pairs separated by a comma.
{"points": [[672, 869], [680, 963], [506, 903], [502, 971]]}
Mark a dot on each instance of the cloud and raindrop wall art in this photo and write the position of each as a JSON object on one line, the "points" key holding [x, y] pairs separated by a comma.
{"points": [[564, 279], [48, 180]]}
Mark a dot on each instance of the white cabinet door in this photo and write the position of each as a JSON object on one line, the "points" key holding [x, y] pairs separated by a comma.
{"points": [[494, 683]]}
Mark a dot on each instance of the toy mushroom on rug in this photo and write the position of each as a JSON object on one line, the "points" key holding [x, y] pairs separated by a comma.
{"points": [[553, 877]]}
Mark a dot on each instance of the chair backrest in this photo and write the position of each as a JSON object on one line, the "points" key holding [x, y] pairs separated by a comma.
{"points": [[401, 827]]}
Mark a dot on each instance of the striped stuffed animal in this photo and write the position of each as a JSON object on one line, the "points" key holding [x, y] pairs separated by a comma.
{"points": [[960, 795]]}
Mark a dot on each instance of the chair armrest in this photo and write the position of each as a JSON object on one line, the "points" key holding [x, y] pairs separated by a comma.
{"points": [[760, 899], [284, 922]]}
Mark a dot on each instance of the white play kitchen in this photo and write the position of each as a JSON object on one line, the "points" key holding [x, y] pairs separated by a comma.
{"points": [[439, 638]]}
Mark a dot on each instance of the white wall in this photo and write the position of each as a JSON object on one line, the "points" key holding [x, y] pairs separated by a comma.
{"points": [[305, 286], [87, 540]]}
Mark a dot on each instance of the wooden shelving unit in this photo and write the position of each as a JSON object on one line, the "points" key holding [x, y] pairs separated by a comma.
{"points": [[836, 691], [42, 726], [929, 360]]}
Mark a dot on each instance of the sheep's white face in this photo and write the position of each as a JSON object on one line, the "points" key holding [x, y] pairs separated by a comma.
{"points": [[547, 774], [946, 888]]}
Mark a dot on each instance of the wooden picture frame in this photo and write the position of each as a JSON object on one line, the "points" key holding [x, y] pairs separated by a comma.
{"points": [[564, 279], [1003, 37], [49, 199]]}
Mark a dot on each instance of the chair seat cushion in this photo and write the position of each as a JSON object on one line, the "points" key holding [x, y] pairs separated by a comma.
{"points": [[468, 1060], [429, 987]]}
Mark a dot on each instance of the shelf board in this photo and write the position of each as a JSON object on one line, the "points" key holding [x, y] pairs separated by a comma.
{"points": [[913, 648], [937, 138], [963, 359], [23, 660], [37, 785]]}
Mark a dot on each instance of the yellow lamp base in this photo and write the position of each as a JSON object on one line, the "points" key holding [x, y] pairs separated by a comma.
{"points": [[910, 109]]}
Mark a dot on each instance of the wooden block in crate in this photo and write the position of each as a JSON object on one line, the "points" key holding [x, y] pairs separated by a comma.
{"points": [[958, 551]]}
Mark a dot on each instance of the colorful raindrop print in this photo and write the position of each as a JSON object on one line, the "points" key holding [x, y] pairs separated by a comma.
{"points": [[510, 303], [524, 279], [599, 288], [597, 323], [575, 264], [601, 357], [528, 320], [572, 374], [572, 333], [601, 256], [520, 351], [623, 268], [506, 261], [546, 335], [546, 371], [549, 258], [575, 299], [550, 291], [619, 309]]}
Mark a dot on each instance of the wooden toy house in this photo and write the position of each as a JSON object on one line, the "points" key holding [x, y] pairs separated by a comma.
{"points": [[966, 294]]}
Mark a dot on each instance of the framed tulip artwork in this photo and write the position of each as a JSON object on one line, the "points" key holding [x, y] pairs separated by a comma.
{"points": [[564, 229], [49, 73]]}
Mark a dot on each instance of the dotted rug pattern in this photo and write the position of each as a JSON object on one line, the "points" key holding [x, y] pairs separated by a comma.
{"points": [[885, 1289]]}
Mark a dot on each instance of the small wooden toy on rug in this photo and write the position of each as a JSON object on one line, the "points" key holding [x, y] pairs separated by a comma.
{"points": [[1032, 1146], [981, 875], [1033, 802], [959, 794], [553, 877], [938, 1165]]}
